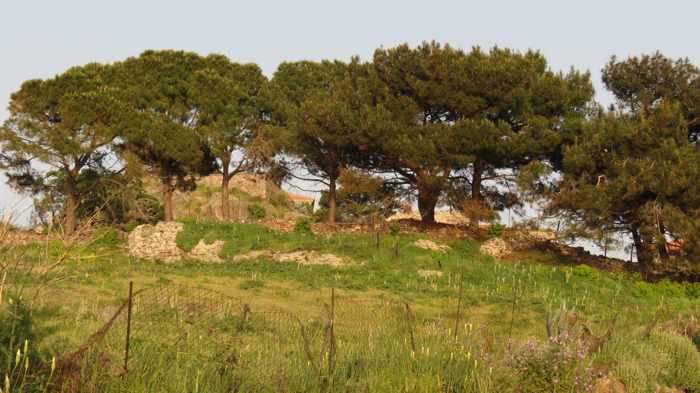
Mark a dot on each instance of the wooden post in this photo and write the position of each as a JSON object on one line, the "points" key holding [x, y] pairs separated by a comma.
{"points": [[458, 319], [332, 349], [128, 327]]}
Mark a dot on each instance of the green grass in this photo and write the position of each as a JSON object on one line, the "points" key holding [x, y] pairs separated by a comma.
{"points": [[503, 306]]}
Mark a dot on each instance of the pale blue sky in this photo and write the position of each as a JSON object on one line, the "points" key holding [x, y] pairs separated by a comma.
{"points": [[42, 38]]}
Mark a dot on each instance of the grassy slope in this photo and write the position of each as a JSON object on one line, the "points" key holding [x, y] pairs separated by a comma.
{"points": [[95, 279]]}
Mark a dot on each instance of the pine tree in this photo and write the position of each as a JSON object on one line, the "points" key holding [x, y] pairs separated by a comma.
{"points": [[318, 120], [229, 102], [57, 128], [635, 169], [164, 131]]}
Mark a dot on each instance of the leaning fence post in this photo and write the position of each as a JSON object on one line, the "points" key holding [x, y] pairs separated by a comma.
{"points": [[244, 317], [409, 322], [331, 353], [458, 318], [128, 326]]}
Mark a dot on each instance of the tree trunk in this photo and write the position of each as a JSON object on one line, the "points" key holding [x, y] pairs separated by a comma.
{"points": [[661, 247], [645, 256], [477, 177], [427, 200], [332, 196], [168, 200], [225, 208], [71, 223]]}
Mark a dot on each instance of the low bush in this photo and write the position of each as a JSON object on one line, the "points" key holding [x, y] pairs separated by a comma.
{"points": [[394, 228], [665, 288], [585, 271], [559, 365], [256, 211], [662, 358], [496, 230], [303, 226]]}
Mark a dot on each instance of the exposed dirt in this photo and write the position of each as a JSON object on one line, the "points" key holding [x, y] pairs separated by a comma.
{"points": [[427, 274], [306, 258], [609, 384]]}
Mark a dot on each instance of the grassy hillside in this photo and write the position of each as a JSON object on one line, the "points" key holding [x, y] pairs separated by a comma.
{"points": [[376, 325]]}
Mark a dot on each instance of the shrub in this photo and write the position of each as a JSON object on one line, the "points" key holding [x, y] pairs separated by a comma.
{"points": [[394, 228], [256, 212], [585, 271], [279, 199], [692, 289], [109, 237], [496, 230], [560, 365], [303, 226], [663, 358], [16, 328], [664, 288]]}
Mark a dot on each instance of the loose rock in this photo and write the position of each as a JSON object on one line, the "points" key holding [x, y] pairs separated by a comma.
{"points": [[431, 245], [496, 247], [306, 258], [156, 242], [207, 252]]}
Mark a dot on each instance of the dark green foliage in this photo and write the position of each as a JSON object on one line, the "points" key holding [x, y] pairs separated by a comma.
{"points": [[496, 230], [362, 198], [456, 118], [641, 83], [303, 226], [163, 131], [16, 327], [229, 101], [256, 212], [635, 171], [64, 124], [322, 114]]}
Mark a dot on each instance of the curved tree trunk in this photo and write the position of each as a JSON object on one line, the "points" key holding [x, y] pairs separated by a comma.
{"points": [[477, 178], [332, 200]]}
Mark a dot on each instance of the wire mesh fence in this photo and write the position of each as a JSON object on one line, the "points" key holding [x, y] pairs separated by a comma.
{"points": [[336, 337]]}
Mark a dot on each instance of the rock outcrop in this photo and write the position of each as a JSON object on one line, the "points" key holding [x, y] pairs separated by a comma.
{"points": [[156, 242]]}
